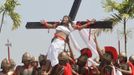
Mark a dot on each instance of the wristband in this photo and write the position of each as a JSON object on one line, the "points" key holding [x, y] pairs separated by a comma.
{"points": [[45, 24], [88, 23]]}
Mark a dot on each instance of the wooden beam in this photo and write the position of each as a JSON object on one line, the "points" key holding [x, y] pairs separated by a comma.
{"points": [[98, 24]]}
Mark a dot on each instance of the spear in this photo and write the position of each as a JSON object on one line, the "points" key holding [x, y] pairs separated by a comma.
{"points": [[118, 41]]}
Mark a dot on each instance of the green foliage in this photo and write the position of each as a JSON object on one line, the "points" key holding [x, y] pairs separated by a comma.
{"points": [[16, 19], [125, 9], [121, 10], [9, 8], [10, 5]]}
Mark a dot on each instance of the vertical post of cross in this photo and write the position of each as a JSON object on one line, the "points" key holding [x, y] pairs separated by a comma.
{"points": [[8, 44], [74, 9]]}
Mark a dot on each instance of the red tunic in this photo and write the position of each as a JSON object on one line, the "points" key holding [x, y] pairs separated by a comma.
{"points": [[132, 67], [67, 69]]}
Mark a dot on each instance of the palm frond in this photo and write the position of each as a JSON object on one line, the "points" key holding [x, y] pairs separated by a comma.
{"points": [[126, 7], [99, 31], [115, 18], [10, 5], [16, 19], [107, 4]]}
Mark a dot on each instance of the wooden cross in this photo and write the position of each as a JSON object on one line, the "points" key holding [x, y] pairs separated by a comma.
{"points": [[8, 44], [72, 15], [73, 12]]}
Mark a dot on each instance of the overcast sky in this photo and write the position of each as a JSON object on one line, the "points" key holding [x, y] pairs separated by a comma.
{"points": [[36, 41]]}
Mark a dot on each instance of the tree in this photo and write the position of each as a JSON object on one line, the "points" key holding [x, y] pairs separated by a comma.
{"points": [[122, 12], [8, 8]]}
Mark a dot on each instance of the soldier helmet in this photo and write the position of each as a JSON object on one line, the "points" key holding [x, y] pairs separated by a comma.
{"points": [[63, 56], [34, 59], [122, 57], [26, 57], [113, 51], [87, 52], [123, 54], [42, 58], [131, 58], [5, 63]]}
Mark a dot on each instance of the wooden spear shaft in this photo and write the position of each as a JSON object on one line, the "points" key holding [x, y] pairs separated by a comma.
{"points": [[8, 47], [118, 41]]}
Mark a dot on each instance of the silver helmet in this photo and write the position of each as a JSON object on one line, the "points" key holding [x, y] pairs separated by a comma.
{"points": [[5, 63], [26, 57], [63, 56], [131, 58]]}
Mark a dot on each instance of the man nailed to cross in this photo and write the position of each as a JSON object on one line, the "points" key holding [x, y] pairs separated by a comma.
{"points": [[63, 29]]}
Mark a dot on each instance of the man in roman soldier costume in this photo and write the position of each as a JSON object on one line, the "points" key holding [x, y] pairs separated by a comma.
{"points": [[83, 68], [34, 62], [64, 67], [107, 59], [42, 58], [107, 62], [131, 64], [123, 64], [6, 67], [63, 29], [130, 70], [82, 61], [27, 68], [45, 66]]}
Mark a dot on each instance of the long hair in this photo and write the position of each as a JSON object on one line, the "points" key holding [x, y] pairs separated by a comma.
{"points": [[69, 20]]}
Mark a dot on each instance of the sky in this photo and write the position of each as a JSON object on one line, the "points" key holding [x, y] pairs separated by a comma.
{"points": [[37, 41]]}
